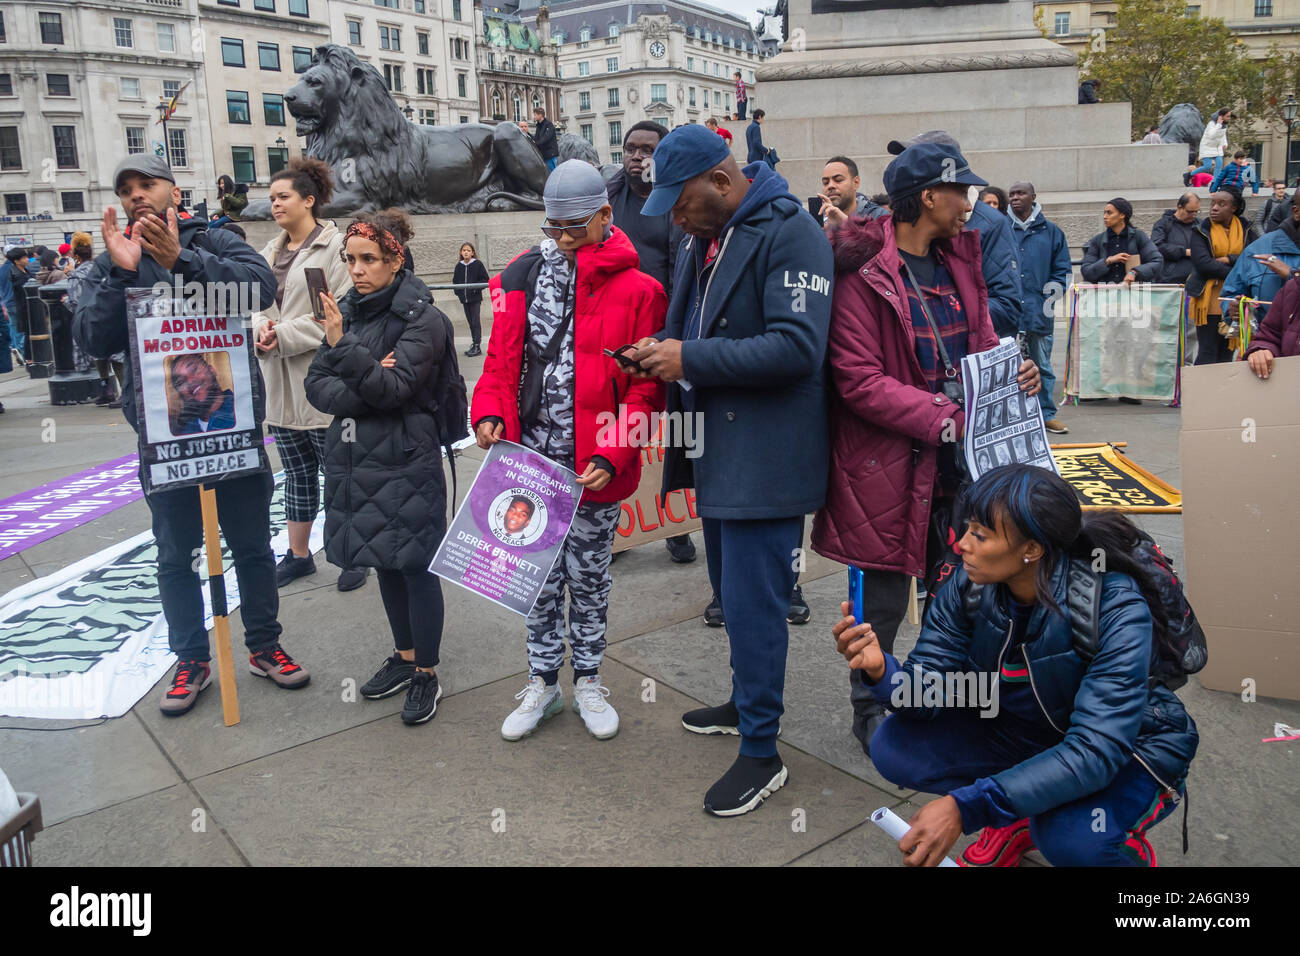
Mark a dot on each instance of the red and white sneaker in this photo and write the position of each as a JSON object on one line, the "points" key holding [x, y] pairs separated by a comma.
{"points": [[999, 846], [279, 666], [190, 678]]}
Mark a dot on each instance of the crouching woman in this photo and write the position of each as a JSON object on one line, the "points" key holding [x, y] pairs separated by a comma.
{"points": [[1054, 742]]}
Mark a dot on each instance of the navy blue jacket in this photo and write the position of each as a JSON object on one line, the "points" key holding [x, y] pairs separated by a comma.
{"points": [[754, 140], [1105, 711], [998, 265], [757, 367], [99, 324], [1044, 258]]}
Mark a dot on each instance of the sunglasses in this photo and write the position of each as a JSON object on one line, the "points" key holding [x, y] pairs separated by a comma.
{"points": [[575, 232]]}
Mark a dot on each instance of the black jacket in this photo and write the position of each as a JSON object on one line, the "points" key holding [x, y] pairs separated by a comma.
{"points": [[1088, 91], [661, 266], [1094, 268], [474, 272], [1274, 214], [207, 255], [545, 139], [1204, 265], [1173, 239], [385, 495]]}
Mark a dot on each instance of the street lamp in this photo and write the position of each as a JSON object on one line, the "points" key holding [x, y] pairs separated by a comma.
{"points": [[408, 112], [164, 110], [1288, 113], [279, 142]]}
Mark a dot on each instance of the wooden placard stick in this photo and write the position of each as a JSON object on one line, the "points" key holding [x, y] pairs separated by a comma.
{"points": [[220, 616]]}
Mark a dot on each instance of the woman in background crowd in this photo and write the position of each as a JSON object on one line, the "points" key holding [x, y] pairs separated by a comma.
{"points": [[469, 270]]}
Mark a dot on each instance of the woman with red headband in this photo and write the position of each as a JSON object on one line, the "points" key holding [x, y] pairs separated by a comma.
{"points": [[385, 495]]}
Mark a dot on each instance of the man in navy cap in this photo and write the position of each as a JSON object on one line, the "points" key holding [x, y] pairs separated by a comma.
{"points": [[743, 348], [909, 304], [998, 247]]}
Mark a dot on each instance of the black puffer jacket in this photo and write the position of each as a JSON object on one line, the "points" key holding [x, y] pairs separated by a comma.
{"points": [[385, 495], [1174, 240]]}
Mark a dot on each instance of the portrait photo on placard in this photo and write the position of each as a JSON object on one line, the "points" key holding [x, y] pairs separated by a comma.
{"points": [[200, 393]]}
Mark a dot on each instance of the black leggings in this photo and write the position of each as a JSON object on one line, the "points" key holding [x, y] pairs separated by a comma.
{"points": [[1211, 347], [413, 603]]}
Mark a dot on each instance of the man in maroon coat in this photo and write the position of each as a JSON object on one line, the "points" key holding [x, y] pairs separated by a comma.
{"points": [[895, 433]]}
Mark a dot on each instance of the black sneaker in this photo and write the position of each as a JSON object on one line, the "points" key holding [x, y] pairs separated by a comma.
{"points": [[352, 578], [421, 698], [681, 549], [800, 612], [395, 674], [473, 350], [713, 613], [292, 567], [1187, 179], [744, 787], [724, 719]]}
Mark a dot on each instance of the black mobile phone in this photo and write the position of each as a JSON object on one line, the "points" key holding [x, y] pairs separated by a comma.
{"points": [[315, 286], [618, 356]]}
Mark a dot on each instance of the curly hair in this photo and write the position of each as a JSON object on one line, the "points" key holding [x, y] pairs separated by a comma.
{"points": [[83, 246], [309, 178]]}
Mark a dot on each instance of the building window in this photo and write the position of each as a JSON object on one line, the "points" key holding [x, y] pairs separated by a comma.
{"points": [[615, 133], [6, 84], [1192, 11], [717, 68], [690, 64], [1263, 8], [613, 97], [237, 107], [498, 111], [245, 168], [354, 32], [179, 148], [167, 37], [11, 156], [130, 88], [391, 4], [277, 157], [273, 109], [3, 37], [1062, 24], [518, 104], [122, 32], [419, 6], [584, 100], [461, 82], [390, 38], [73, 201], [268, 56], [584, 37], [171, 89], [58, 84], [268, 5], [187, 198], [393, 77], [422, 43], [611, 64], [301, 59], [134, 139], [585, 132], [298, 8], [455, 9], [658, 92], [51, 32], [584, 68], [464, 118], [16, 204], [232, 52], [690, 91], [65, 147]]}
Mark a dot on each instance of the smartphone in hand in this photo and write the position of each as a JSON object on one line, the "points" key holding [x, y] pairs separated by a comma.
{"points": [[855, 593], [618, 356], [315, 286]]}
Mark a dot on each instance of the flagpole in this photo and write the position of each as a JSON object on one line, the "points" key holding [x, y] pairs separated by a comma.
{"points": [[164, 108]]}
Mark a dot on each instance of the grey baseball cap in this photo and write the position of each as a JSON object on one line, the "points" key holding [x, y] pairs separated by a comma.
{"points": [[145, 164], [929, 136]]}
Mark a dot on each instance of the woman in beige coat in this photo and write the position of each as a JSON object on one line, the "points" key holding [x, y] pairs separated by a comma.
{"points": [[287, 337]]}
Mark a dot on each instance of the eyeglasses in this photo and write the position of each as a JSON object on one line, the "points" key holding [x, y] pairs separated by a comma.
{"points": [[639, 150], [575, 232]]}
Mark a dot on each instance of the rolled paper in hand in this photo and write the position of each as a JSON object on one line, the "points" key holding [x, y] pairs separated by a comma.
{"points": [[897, 828]]}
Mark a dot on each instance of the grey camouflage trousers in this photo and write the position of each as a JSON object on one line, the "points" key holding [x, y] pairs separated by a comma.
{"points": [[583, 565]]}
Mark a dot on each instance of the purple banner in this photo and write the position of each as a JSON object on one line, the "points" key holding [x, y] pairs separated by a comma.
{"points": [[40, 514], [507, 534]]}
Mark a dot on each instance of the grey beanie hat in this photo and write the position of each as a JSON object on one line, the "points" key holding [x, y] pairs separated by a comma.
{"points": [[574, 190]]}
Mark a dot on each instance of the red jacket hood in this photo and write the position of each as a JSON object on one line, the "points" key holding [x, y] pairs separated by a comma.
{"points": [[600, 260], [861, 239]]}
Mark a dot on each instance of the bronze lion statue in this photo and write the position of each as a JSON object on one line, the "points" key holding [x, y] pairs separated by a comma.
{"points": [[380, 158]]}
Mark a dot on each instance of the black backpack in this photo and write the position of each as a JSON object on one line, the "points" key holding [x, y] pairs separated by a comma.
{"points": [[1183, 651]]}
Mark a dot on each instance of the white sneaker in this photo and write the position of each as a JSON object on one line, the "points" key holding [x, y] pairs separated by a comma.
{"points": [[539, 702], [589, 701]]}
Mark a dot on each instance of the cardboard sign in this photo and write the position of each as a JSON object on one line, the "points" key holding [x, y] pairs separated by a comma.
{"points": [[195, 381], [651, 516], [510, 528], [1240, 458]]}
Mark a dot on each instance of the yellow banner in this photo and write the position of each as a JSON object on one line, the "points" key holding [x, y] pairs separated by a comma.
{"points": [[1103, 477]]}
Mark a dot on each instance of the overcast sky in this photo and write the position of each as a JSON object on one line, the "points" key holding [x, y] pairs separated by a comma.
{"points": [[745, 8]]}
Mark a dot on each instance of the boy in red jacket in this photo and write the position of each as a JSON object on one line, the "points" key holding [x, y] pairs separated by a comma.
{"points": [[558, 306]]}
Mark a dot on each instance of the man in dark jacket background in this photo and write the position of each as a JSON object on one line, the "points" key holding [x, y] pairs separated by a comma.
{"points": [[997, 246], [1045, 273], [161, 247], [744, 346], [840, 197], [1275, 210], [756, 151], [1172, 235], [544, 138]]}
